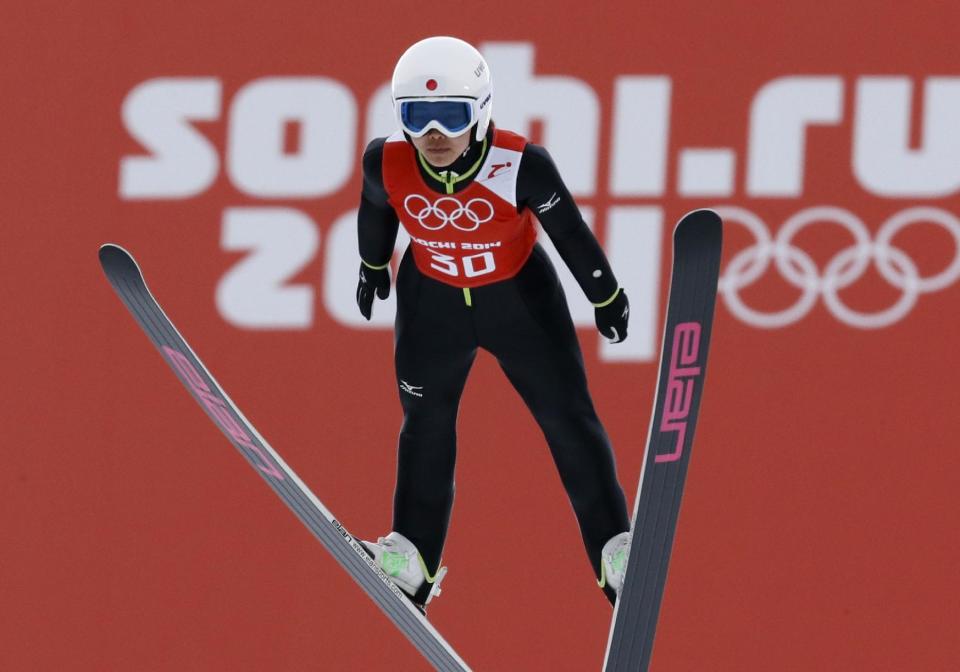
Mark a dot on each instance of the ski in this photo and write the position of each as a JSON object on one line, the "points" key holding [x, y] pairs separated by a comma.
{"points": [[697, 241], [127, 280]]}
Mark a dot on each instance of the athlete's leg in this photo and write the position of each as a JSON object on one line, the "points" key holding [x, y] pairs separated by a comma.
{"points": [[536, 345], [435, 347]]}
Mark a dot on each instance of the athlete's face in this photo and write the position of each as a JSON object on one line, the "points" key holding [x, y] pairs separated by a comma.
{"points": [[439, 150]]}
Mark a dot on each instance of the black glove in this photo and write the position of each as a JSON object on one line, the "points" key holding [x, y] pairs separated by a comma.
{"points": [[612, 317], [371, 279]]}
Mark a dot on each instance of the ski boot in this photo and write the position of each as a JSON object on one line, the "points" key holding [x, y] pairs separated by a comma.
{"points": [[613, 565], [400, 560]]}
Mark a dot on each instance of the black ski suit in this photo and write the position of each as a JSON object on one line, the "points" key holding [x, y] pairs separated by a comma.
{"points": [[525, 324]]}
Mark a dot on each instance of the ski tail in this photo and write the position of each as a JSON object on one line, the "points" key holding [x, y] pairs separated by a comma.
{"points": [[697, 246], [127, 280]]}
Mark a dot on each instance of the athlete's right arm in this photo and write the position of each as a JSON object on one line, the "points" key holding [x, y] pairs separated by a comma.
{"points": [[377, 226]]}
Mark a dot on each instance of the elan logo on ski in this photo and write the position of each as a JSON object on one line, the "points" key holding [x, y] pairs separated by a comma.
{"points": [[217, 409], [681, 381], [697, 248]]}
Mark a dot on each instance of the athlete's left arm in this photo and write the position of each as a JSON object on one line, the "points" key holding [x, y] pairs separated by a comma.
{"points": [[540, 188]]}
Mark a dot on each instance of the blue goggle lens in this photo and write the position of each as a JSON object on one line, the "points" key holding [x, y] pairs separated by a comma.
{"points": [[455, 116]]}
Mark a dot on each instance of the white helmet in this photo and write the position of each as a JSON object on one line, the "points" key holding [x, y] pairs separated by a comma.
{"points": [[442, 83]]}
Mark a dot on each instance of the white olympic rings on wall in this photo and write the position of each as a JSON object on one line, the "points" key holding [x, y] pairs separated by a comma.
{"points": [[463, 216], [841, 271]]}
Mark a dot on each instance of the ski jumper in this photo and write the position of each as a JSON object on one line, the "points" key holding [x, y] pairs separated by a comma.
{"points": [[474, 277]]}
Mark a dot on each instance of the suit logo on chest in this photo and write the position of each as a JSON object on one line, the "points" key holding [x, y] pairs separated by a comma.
{"points": [[496, 168], [448, 210]]}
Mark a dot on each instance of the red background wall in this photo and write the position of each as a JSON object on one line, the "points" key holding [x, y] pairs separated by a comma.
{"points": [[819, 525]]}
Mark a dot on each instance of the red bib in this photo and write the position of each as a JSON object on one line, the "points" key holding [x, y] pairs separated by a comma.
{"points": [[470, 238]]}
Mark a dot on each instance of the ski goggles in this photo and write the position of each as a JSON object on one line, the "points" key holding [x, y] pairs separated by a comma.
{"points": [[449, 116]]}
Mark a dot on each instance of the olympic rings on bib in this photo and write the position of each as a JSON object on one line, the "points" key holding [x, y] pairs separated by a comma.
{"points": [[448, 210], [846, 267]]}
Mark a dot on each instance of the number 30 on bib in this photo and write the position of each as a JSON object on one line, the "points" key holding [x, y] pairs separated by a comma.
{"points": [[472, 265]]}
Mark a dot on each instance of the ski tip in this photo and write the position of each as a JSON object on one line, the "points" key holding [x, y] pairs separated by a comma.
{"points": [[108, 250], [703, 224], [114, 258], [701, 215]]}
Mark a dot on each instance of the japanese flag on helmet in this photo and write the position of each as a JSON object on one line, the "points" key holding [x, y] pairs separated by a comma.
{"points": [[442, 83]]}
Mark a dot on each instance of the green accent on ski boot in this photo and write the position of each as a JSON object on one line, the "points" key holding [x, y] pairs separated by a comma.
{"points": [[619, 560], [426, 572], [394, 563]]}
